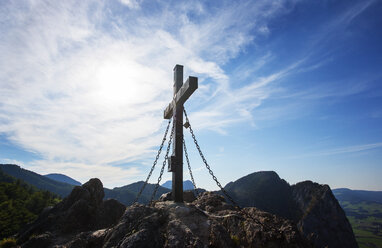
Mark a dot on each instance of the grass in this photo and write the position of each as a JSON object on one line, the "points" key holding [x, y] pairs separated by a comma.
{"points": [[366, 221]]}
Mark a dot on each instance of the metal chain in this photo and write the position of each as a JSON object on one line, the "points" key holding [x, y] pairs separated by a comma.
{"points": [[205, 162], [214, 177], [164, 164], [155, 162], [189, 167]]}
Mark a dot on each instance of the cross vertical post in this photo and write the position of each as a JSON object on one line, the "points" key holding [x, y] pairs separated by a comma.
{"points": [[177, 149], [175, 110]]}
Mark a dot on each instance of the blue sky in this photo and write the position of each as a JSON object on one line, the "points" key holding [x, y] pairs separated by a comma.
{"points": [[290, 86]]}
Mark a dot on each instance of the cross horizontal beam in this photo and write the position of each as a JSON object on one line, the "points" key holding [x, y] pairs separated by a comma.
{"points": [[181, 96]]}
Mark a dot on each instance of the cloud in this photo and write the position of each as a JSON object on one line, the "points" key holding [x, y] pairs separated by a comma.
{"points": [[86, 89], [84, 84], [109, 175], [133, 4], [238, 104], [329, 37], [340, 150]]}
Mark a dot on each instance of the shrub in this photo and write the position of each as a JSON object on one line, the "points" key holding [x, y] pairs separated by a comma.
{"points": [[8, 243], [235, 240]]}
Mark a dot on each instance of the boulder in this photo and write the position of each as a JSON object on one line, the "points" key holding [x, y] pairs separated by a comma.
{"points": [[95, 188], [212, 202], [188, 196], [166, 197], [39, 241]]}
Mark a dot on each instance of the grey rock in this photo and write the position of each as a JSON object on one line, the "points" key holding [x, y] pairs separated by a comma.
{"points": [[207, 222], [169, 224], [166, 197], [39, 241], [188, 196], [322, 220], [312, 206], [95, 188], [212, 202], [82, 211], [83, 220]]}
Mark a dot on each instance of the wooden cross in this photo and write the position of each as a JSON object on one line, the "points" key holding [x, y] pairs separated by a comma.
{"points": [[175, 109]]}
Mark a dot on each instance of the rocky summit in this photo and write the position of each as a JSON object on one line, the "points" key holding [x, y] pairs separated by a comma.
{"points": [[82, 211], [84, 220], [206, 222], [312, 206], [321, 218]]}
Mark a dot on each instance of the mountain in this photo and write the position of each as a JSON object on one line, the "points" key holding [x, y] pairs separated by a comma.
{"points": [[20, 204], [37, 180], [125, 194], [264, 190], [356, 196], [320, 212], [364, 211], [63, 178], [312, 206], [84, 220], [5, 178], [128, 193], [187, 185]]}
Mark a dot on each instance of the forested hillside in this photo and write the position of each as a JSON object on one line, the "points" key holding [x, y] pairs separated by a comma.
{"points": [[37, 180], [125, 194], [20, 204]]}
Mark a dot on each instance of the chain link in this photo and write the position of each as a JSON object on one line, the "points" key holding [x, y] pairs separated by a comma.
{"points": [[164, 165], [189, 167], [214, 177], [155, 162], [205, 162]]}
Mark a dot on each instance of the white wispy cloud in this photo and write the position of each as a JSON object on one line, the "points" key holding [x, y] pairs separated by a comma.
{"points": [[85, 87], [238, 104], [319, 50], [340, 150], [134, 4]]}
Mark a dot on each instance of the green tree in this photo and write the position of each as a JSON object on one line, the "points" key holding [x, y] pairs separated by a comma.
{"points": [[20, 204]]}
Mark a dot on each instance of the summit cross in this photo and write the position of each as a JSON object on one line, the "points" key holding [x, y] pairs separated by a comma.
{"points": [[175, 109]]}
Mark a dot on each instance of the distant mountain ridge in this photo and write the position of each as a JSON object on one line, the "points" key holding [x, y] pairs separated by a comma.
{"points": [[37, 180], [187, 185], [125, 194], [128, 193], [356, 196], [364, 210], [63, 178]]}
